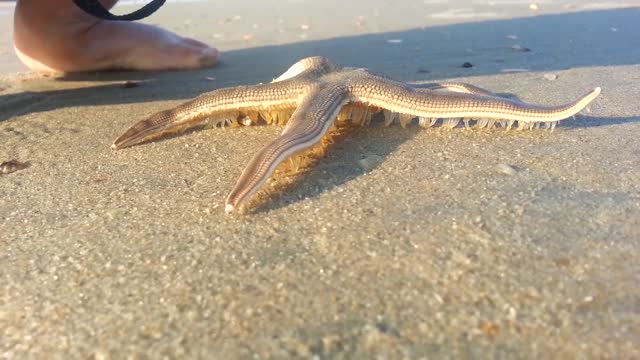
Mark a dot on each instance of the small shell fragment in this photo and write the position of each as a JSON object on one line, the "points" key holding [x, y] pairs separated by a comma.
{"points": [[130, 84], [520, 48], [506, 169], [370, 162], [10, 166]]}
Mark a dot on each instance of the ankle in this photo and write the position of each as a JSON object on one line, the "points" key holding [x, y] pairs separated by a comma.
{"points": [[46, 35]]}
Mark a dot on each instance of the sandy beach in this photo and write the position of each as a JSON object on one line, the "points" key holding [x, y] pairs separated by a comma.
{"points": [[455, 244]]}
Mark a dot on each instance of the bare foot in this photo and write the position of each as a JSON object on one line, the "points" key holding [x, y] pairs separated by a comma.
{"points": [[55, 35]]}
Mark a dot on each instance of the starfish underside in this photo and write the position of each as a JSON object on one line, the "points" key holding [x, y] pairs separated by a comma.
{"points": [[315, 92]]}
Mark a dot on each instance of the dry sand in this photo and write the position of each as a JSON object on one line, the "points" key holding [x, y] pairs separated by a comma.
{"points": [[440, 251]]}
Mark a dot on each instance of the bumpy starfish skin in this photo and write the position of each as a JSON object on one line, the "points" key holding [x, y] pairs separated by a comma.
{"points": [[315, 91]]}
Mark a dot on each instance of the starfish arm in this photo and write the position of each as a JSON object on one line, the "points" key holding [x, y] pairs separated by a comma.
{"points": [[316, 65], [308, 124], [455, 87], [398, 97], [221, 103]]}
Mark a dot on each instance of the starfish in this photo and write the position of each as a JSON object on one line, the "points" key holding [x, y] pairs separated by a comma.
{"points": [[315, 91]]}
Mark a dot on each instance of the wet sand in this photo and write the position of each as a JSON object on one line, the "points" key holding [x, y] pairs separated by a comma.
{"points": [[458, 244]]}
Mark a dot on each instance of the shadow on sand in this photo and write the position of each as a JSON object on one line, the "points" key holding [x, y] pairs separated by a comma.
{"points": [[557, 42]]}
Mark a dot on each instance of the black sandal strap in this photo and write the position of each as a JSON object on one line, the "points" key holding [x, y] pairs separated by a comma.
{"points": [[93, 7]]}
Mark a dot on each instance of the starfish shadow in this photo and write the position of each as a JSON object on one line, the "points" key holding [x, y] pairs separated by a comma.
{"points": [[338, 167], [583, 122]]}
